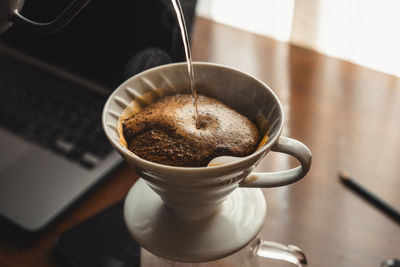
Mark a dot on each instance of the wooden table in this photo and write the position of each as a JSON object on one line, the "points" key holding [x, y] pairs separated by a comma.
{"points": [[346, 114]]}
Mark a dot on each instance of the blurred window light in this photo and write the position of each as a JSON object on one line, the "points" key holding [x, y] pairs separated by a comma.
{"points": [[361, 31], [266, 17]]}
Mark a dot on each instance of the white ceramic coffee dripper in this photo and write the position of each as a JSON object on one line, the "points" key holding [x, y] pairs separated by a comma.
{"points": [[201, 214]]}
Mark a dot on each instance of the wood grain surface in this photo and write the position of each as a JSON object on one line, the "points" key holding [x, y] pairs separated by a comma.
{"points": [[349, 117], [346, 114]]}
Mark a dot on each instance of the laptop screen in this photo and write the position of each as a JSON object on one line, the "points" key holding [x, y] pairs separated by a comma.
{"points": [[100, 41]]}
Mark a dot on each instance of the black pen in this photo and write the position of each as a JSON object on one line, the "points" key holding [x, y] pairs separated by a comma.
{"points": [[370, 197]]}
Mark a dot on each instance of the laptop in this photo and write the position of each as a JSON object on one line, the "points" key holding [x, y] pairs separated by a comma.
{"points": [[52, 92]]}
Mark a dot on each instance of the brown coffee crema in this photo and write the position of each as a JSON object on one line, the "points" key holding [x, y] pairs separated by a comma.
{"points": [[165, 132]]}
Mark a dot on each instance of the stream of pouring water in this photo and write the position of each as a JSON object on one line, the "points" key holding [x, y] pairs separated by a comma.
{"points": [[185, 38]]}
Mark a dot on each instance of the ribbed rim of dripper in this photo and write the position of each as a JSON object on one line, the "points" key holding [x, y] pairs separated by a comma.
{"points": [[115, 97]]}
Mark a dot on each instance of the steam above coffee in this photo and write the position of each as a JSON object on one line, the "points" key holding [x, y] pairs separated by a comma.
{"points": [[165, 132], [188, 130]]}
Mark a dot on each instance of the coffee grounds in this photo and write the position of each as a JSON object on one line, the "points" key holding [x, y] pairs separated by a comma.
{"points": [[165, 132]]}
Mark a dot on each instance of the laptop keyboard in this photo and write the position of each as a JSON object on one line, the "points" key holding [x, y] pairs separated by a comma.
{"points": [[52, 112]]}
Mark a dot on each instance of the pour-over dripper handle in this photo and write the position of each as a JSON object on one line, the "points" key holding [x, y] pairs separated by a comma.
{"points": [[273, 179], [277, 251]]}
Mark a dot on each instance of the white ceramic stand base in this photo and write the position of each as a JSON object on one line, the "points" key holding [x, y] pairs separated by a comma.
{"points": [[235, 223]]}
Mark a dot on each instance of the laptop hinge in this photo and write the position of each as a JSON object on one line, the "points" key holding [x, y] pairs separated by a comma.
{"points": [[84, 82]]}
